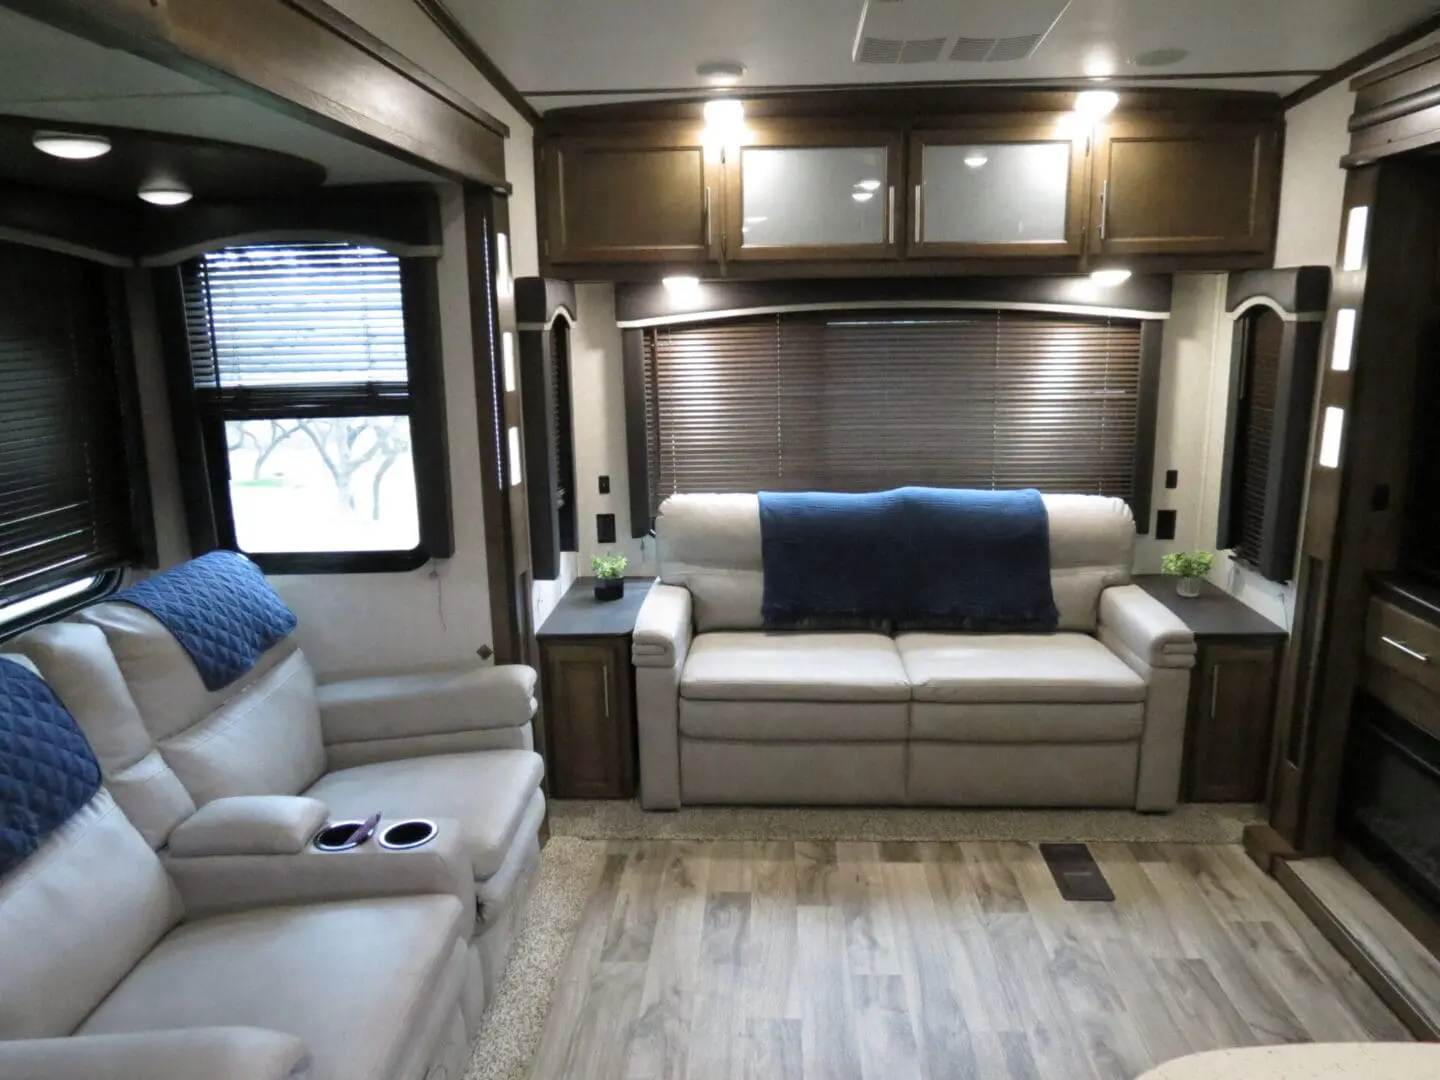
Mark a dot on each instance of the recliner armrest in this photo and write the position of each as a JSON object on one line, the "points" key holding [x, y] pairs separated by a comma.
{"points": [[218, 1053], [1146, 627], [663, 627], [436, 703], [249, 825]]}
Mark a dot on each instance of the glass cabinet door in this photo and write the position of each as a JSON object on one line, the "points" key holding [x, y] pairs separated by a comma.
{"points": [[995, 194], [790, 201]]}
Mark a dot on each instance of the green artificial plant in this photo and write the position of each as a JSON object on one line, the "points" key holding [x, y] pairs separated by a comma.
{"points": [[608, 567], [1188, 564]]}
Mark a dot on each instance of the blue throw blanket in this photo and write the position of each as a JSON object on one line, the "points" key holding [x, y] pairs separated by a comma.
{"points": [[47, 769], [221, 610], [928, 558]]}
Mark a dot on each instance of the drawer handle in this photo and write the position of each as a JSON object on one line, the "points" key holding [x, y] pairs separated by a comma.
{"points": [[605, 671], [1406, 650]]}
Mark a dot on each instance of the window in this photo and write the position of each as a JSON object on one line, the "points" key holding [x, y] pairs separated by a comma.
{"points": [[1264, 334], [316, 387], [66, 462], [868, 401]]}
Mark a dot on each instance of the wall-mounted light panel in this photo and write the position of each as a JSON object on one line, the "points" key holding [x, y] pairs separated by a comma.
{"points": [[1330, 435], [1344, 347], [1356, 226], [507, 350], [516, 473], [504, 284]]}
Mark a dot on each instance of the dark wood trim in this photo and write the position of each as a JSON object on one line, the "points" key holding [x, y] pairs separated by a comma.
{"points": [[637, 446], [1152, 336], [71, 224], [132, 425], [1265, 847], [1336, 933], [539, 301], [462, 39], [303, 58], [500, 569], [1360, 61], [1295, 290], [429, 420], [1401, 64]]}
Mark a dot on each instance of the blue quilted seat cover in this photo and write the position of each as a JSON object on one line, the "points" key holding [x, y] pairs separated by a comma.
{"points": [[221, 610], [47, 770]]}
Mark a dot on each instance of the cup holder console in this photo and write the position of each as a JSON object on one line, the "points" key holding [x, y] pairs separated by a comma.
{"points": [[404, 835], [342, 836]]}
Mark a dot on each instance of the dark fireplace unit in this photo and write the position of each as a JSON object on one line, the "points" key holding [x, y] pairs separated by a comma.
{"points": [[1390, 809]]}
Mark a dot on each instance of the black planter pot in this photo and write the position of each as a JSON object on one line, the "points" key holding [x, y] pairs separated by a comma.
{"points": [[609, 588]]}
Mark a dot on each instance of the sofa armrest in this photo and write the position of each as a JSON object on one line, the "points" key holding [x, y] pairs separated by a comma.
{"points": [[218, 1053], [1150, 630], [663, 632], [663, 627], [435, 703], [249, 825], [213, 884]]}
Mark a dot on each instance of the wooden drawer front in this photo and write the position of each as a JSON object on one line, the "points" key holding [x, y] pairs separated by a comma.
{"points": [[1399, 640]]}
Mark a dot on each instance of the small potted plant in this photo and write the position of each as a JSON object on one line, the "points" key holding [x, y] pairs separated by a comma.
{"points": [[609, 571], [1189, 567]]}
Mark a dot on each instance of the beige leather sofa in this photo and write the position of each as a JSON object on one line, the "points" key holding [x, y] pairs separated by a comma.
{"points": [[229, 786], [1093, 715]]}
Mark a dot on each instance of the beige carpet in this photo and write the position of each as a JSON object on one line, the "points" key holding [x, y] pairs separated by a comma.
{"points": [[572, 860]]}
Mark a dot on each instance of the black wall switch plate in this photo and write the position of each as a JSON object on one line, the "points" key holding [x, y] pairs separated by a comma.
{"points": [[1172, 478], [605, 528], [1165, 525], [604, 485]]}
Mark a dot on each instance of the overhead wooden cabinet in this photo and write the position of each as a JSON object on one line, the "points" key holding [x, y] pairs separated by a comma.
{"points": [[823, 194], [1014, 191], [1185, 188], [638, 199]]}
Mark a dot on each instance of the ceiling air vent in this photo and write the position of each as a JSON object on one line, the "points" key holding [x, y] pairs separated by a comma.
{"points": [[979, 31]]}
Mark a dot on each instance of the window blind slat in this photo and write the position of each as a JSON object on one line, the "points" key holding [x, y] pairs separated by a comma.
{"points": [[824, 402], [1254, 430]]}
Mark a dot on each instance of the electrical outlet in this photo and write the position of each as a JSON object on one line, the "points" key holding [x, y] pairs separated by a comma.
{"points": [[604, 485], [1172, 479], [605, 528], [1165, 525]]}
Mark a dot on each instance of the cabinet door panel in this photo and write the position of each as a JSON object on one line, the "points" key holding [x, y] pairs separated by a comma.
{"points": [[1012, 191], [589, 743], [1232, 718], [1186, 189], [628, 201], [814, 195]]}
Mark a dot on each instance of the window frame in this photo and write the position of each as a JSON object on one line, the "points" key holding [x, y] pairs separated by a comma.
{"points": [[105, 582], [637, 397], [204, 456]]}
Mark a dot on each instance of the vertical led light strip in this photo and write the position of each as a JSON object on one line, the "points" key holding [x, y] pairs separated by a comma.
{"points": [[1330, 436], [507, 349], [1344, 340], [1355, 229], [516, 473]]}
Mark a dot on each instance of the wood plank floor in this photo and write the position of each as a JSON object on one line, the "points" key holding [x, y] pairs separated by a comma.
{"points": [[893, 961]]}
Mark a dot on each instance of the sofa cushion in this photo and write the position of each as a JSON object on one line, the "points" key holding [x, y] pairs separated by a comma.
{"points": [[349, 979], [794, 667], [1016, 667], [487, 793], [796, 721], [999, 722]]}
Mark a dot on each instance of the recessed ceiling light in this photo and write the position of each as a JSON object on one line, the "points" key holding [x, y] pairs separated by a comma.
{"points": [[166, 193], [862, 196], [71, 147], [721, 72], [976, 159], [1093, 104], [868, 185], [1159, 57], [1108, 279]]}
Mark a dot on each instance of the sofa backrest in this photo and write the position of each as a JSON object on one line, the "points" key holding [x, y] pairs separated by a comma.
{"points": [[710, 544], [166, 745], [76, 917]]}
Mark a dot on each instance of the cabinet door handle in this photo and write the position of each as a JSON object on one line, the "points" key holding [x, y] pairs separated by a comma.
{"points": [[1104, 206], [708, 233], [919, 195], [605, 672], [890, 234], [1414, 655], [1214, 688]]}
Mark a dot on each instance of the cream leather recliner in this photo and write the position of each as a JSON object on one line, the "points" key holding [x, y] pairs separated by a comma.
{"points": [[454, 748]]}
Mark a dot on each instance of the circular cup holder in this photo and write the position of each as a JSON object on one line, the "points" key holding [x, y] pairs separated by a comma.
{"points": [[338, 837], [404, 835]]}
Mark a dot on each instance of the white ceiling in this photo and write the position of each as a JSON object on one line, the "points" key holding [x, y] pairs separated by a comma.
{"points": [[602, 47], [50, 75]]}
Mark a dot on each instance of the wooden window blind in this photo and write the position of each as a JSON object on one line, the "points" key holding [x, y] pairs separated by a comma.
{"points": [[865, 401], [1254, 431], [65, 509]]}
